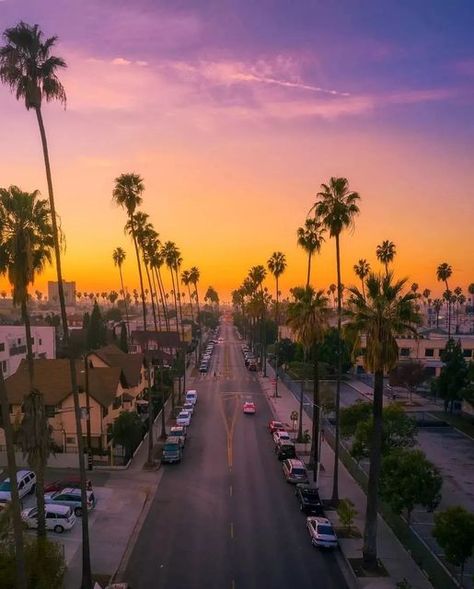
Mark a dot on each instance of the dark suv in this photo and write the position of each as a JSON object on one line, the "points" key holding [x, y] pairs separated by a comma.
{"points": [[308, 498], [284, 451]]}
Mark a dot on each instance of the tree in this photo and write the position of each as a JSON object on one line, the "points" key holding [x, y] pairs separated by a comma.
{"points": [[454, 532], [123, 338], [362, 269], [409, 375], [337, 208], [308, 316], [437, 306], [277, 265], [385, 253], [96, 331], [453, 377], [29, 69], [409, 479], [310, 238], [383, 314], [26, 244], [127, 431], [443, 272], [185, 279], [346, 512], [329, 350], [286, 351]]}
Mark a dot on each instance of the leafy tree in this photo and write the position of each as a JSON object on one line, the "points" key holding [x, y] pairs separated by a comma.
{"points": [[398, 428], [453, 378], [96, 331], [408, 479], [408, 374], [123, 338], [209, 319], [127, 431], [329, 350], [286, 351], [454, 532], [346, 512]]}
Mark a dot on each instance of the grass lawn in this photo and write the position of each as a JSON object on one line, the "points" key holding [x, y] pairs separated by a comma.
{"points": [[465, 424]]}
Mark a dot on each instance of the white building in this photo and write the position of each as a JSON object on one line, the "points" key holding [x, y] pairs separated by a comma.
{"points": [[69, 293], [13, 345]]}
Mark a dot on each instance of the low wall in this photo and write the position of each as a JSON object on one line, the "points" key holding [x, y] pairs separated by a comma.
{"points": [[57, 461]]}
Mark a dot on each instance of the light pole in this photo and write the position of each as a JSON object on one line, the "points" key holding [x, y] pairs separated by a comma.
{"points": [[316, 470], [88, 408]]}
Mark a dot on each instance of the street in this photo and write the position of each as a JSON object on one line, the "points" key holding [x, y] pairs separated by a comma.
{"points": [[225, 517]]}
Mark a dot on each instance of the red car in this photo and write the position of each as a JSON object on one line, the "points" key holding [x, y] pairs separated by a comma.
{"points": [[73, 483], [274, 426], [249, 407]]}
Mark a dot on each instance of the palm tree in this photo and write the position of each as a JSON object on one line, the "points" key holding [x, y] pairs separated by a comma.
{"points": [[362, 269], [337, 209], [185, 279], [385, 253], [156, 262], [385, 313], [257, 275], [443, 272], [277, 265], [26, 245], [310, 238], [31, 72], [194, 277], [127, 193], [118, 256], [437, 306], [307, 316]]}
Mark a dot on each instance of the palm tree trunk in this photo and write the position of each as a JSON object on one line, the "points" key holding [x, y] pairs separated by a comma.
{"points": [[278, 337], [157, 303], [15, 502], [177, 328], [150, 402], [190, 303], [370, 532], [162, 296], [140, 276], [182, 330], [308, 277], [335, 482], [198, 317], [449, 310], [37, 465], [124, 301], [316, 413], [363, 287], [86, 563], [163, 400]]}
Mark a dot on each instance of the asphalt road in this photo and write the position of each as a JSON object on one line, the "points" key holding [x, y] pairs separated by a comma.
{"points": [[225, 518]]}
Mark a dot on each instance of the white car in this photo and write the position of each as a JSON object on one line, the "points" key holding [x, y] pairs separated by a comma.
{"points": [[281, 436], [58, 517], [192, 396], [184, 418], [188, 406], [26, 483], [321, 532]]}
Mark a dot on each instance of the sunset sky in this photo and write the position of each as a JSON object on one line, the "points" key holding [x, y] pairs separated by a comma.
{"points": [[235, 112]]}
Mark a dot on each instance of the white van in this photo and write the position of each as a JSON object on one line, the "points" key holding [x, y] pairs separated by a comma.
{"points": [[58, 517], [192, 396], [26, 483]]}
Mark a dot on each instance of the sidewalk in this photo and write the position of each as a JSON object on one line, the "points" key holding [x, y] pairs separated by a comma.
{"points": [[396, 560]]}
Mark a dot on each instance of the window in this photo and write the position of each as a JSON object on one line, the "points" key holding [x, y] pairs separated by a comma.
{"points": [[50, 410], [40, 342], [32, 340], [2, 347], [429, 352], [4, 366], [19, 341], [405, 352], [71, 440], [467, 353], [105, 412]]}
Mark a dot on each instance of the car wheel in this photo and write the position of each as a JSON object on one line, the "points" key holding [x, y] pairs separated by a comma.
{"points": [[58, 529], [78, 511]]}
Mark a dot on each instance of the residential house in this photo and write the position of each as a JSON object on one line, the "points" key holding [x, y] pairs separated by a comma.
{"points": [[13, 345]]}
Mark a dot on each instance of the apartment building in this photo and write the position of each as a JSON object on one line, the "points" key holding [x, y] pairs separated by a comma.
{"points": [[13, 345], [69, 293]]}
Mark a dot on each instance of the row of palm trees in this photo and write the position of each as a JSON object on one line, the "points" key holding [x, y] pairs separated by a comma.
{"points": [[378, 312], [30, 70]]}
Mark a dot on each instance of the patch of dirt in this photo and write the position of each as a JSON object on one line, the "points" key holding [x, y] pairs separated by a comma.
{"points": [[359, 569]]}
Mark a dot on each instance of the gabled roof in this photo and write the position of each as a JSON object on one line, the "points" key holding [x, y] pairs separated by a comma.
{"points": [[164, 339], [130, 364], [53, 380]]}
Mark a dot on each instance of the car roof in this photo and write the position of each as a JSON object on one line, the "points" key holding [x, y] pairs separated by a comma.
{"points": [[57, 507], [172, 440], [296, 462], [320, 520], [20, 474], [193, 391]]}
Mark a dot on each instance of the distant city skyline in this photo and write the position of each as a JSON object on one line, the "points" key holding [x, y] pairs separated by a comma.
{"points": [[234, 116]]}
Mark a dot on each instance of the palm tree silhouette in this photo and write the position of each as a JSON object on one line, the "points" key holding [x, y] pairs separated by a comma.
{"points": [[310, 238], [362, 269], [118, 257], [443, 272], [386, 253], [277, 265]]}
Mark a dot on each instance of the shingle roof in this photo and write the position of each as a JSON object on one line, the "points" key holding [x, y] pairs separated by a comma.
{"points": [[53, 380], [130, 364], [165, 339]]}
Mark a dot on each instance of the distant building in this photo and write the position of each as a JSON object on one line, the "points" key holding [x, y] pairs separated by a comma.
{"points": [[13, 345], [69, 293]]}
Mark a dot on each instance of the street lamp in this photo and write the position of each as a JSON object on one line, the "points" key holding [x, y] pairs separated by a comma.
{"points": [[88, 409]]}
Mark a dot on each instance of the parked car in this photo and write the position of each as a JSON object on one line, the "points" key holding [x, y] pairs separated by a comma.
{"points": [[26, 483], [308, 499], [58, 517], [321, 532], [70, 497], [273, 426], [184, 418], [294, 471], [73, 482], [188, 406], [172, 450], [285, 450], [192, 396], [203, 367], [252, 366], [281, 436], [249, 408], [178, 430]]}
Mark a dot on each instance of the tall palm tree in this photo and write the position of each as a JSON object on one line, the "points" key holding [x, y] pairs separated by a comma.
{"points": [[337, 208], [156, 262], [443, 272], [194, 277], [386, 312], [118, 257], [257, 275], [386, 252], [437, 306], [310, 238], [26, 245], [185, 279], [362, 269], [31, 72], [308, 316], [277, 265]]}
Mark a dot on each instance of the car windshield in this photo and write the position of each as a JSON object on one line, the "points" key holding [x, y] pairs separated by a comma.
{"points": [[298, 471], [310, 493], [5, 486], [171, 447], [325, 530]]}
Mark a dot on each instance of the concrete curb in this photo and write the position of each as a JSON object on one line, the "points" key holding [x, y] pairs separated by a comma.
{"points": [[346, 569]]}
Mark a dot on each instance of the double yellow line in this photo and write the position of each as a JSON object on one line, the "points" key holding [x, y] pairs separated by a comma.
{"points": [[230, 428]]}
